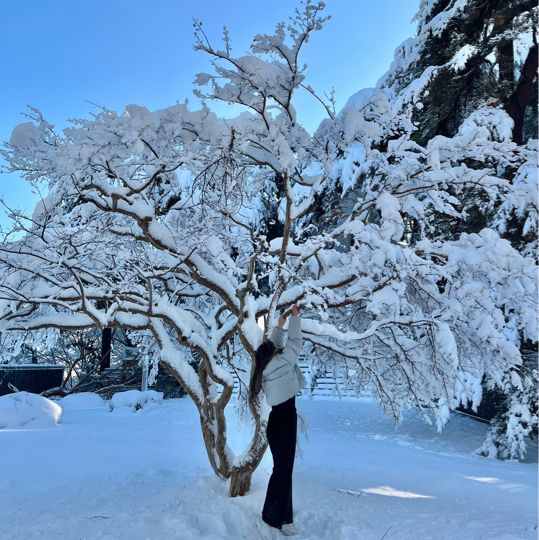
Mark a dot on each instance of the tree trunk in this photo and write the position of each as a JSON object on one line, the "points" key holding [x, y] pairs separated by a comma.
{"points": [[240, 481], [240, 477], [106, 349], [211, 412], [521, 97], [505, 54]]}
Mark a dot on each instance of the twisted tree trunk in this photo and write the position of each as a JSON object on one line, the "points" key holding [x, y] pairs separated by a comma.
{"points": [[214, 432], [521, 97]]}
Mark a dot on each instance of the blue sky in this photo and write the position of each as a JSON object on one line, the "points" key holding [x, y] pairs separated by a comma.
{"points": [[60, 54]]}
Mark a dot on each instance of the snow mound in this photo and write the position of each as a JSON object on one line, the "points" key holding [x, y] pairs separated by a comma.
{"points": [[134, 399], [83, 400], [24, 409]]}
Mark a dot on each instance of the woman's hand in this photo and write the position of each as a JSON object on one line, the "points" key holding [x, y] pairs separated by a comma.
{"points": [[295, 310], [282, 321]]}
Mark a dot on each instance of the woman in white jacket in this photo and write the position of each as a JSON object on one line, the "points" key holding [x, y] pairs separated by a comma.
{"points": [[277, 373]]}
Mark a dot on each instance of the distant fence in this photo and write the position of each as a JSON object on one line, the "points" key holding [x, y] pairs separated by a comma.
{"points": [[328, 384]]}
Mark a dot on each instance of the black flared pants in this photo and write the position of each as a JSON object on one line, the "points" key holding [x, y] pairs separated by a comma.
{"points": [[281, 433]]}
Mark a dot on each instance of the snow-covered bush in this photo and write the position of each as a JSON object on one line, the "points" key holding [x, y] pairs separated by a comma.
{"points": [[82, 400], [134, 399], [27, 410]]}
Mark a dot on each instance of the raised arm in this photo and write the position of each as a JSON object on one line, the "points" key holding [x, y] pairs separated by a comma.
{"points": [[277, 334], [293, 345], [277, 337]]}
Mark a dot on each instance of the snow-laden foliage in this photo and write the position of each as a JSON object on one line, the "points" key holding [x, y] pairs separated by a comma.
{"points": [[506, 438], [14, 346], [517, 214], [467, 54], [157, 222], [470, 75], [399, 191]]}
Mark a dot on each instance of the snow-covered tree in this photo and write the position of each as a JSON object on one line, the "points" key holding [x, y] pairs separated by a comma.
{"points": [[469, 62], [80, 352], [467, 54], [155, 222]]}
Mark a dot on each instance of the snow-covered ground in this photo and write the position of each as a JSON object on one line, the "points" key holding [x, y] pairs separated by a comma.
{"points": [[144, 475]]}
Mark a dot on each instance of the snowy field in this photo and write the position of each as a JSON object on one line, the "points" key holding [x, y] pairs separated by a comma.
{"points": [[144, 475]]}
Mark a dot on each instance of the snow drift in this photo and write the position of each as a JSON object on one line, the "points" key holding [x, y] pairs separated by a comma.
{"points": [[134, 399], [24, 409]]}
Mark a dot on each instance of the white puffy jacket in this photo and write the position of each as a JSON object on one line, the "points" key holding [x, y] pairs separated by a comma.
{"points": [[282, 378]]}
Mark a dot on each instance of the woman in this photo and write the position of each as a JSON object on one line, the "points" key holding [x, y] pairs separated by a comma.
{"points": [[277, 373]]}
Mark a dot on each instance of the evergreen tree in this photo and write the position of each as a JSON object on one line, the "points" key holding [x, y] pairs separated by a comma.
{"points": [[469, 57], [466, 55]]}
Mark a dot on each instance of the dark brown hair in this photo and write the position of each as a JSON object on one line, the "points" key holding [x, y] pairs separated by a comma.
{"points": [[264, 354]]}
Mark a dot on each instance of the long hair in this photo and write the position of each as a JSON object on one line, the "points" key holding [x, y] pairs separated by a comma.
{"points": [[264, 354]]}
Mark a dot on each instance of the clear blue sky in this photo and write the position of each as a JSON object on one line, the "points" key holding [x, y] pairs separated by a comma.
{"points": [[59, 54]]}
